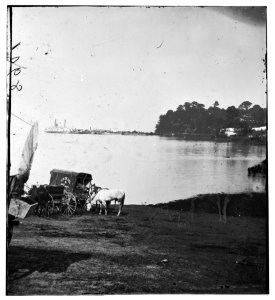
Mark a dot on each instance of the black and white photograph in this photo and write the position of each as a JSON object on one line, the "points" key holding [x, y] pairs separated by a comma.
{"points": [[136, 150]]}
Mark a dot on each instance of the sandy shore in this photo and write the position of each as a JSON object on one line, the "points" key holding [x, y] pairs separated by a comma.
{"points": [[147, 250]]}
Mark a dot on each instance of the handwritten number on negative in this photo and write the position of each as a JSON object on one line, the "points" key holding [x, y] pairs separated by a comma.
{"points": [[17, 86]]}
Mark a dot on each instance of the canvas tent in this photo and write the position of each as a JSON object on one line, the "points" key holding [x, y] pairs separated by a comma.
{"points": [[23, 143]]}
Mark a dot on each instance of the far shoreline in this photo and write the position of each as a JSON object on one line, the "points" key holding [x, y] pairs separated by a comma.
{"points": [[187, 137]]}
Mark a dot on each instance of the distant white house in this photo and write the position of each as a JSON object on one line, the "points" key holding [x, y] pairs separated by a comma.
{"points": [[230, 131], [262, 128]]}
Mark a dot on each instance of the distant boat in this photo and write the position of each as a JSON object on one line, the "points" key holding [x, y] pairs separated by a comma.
{"points": [[63, 129], [57, 129]]}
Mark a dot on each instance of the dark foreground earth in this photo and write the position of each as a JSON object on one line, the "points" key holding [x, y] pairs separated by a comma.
{"points": [[147, 250]]}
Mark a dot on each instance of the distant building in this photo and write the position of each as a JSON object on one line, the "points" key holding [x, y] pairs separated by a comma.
{"points": [[262, 128], [230, 131], [258, 132]]}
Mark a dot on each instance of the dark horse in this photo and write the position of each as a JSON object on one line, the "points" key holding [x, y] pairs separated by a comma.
{"points": [[43, 198]]}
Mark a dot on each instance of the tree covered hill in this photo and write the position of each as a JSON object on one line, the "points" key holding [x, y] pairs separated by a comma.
{"points": [[194, 118]]}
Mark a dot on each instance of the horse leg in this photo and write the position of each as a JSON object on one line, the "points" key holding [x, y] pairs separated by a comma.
{"points": [[103, 203], [97, 206], [119, 209], [108, 203], [100, 207], [106, 210], [121, 203]]}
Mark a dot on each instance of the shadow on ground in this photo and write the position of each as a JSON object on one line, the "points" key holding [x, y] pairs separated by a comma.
{"points": [[41, 260]]}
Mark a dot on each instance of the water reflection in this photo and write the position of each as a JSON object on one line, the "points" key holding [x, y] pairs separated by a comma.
{"points": [[151, 169]]}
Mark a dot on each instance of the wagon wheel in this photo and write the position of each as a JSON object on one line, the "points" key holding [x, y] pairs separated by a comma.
{"points": [[40, 210], [68, 205], [46, 209]]}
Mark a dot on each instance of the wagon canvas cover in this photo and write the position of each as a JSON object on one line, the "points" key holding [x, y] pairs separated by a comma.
{"points": [[69, 179]]}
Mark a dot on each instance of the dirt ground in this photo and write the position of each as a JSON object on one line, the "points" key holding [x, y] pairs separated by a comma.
{"points": [[147, 250]]}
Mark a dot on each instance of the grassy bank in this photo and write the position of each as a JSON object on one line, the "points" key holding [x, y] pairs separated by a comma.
{"points": [[146, 250], [242, 204]]}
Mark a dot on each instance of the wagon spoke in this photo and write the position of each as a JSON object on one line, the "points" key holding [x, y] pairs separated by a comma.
{"points": [[69, 204], [70, 210]]}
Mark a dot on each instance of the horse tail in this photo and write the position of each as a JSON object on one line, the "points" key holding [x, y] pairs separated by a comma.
{"points": [[121, 203], [122, 200]]}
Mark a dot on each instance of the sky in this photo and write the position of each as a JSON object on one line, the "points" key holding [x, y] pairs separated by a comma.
{"points": [[120, 68]]}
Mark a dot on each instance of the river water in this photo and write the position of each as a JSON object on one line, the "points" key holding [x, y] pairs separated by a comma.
{"points": [[150, 169]]}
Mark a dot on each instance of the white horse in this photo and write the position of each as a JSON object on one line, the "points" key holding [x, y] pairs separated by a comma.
{"points": [[104, 198]]}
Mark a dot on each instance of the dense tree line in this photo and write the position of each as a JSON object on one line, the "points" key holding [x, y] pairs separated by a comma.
{"points": [[194, 118]]}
